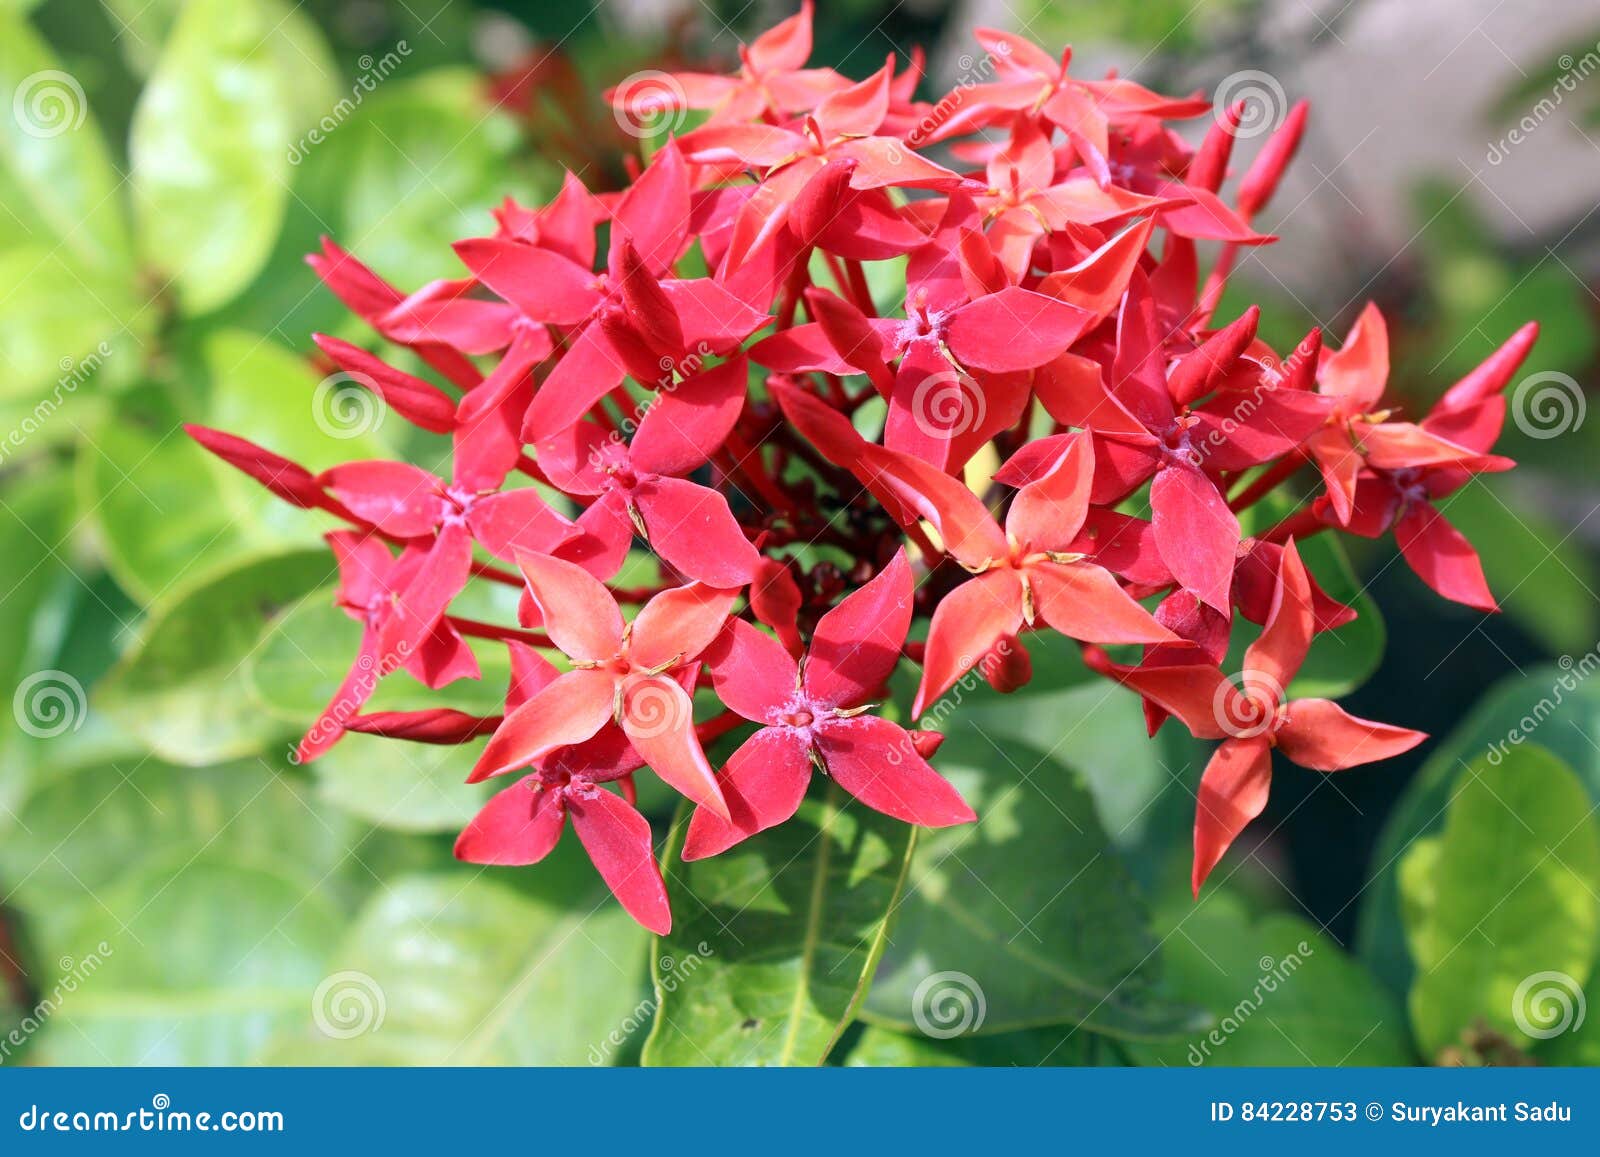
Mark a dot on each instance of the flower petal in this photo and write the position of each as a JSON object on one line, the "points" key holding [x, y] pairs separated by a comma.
{"points": [[857, 644], [677, 624], [1322, 736], [751, 671], [764, 782], [878, 763], [969, 625], [1233, 791], [658, 716], [568, 711], [579, 614], [617, 839], [520, 825]]}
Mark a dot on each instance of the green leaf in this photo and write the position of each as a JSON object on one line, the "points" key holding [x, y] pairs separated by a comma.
{"points": [[210, 149], [56, 178], [82, 829], [183, 689], [1029, 911], [1057, 1046], [410, 787], [1543, 579], [214, 959], [1277, 990], [60, 323], [457, 969], [1556, 706], [1515, 879], [774, 942]]}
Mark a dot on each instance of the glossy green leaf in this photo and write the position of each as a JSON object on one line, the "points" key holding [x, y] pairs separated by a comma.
{"points": [[210, 149], [775, 941], [460, 969], [1556, 706], [198, 961], [1513, 902], [1025, 918], [57, 181], [184, 689], [1278, 992]]}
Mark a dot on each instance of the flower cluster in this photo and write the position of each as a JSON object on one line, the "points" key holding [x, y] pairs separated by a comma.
{"points": [[831, 390]]}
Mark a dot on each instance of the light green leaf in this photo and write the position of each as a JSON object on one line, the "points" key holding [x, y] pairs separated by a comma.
{"points": [[1556, 706], [1028, 910], [210, 149], [56, 178], [1278, 993], [59, 321], [459, 969], [1517, 873], [774, 942], [184, 689], [196, 962]]}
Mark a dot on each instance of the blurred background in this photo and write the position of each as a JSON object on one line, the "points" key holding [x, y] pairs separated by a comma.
{"points": [[172, 891]]}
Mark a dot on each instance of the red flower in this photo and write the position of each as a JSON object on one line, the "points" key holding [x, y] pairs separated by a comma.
{"points": [[1252, 715], [815, 713], [627, 672]]}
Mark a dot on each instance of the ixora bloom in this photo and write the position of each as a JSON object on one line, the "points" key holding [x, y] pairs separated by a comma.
{"points": [[1025, 418]]}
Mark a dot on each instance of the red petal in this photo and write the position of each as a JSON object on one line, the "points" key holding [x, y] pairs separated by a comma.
{"points": [[1083, 601], [1049, 511], [877, 762], [1197, 534], [517, 521], [1359, 369], [419, 606], [857, 644], [677, 624], [398, 498], [1277, 653], [415, 400], [969, 531], [579, 613], [785, 46], [583, 375], [1195, 692], [751, 671], [519, 825], [692, 528], [653, 215], [289, 481], [969, 626], [764, 782], [531, 673], [1321, 735], [1014, 329], [543, 285], [658, 716], [357, 687], [687, 423], [1233, 791], [617, 839], [1442, 557], [568, 711], [775, 601], [1201, 372]]}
